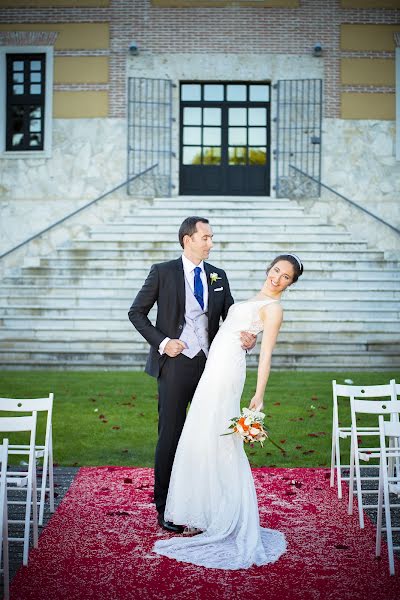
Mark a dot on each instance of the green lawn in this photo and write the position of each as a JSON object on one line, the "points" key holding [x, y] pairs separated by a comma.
{"points": [[110, 418]]}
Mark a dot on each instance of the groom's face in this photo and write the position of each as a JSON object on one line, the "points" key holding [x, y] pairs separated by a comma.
{"points": [[198, 245]]}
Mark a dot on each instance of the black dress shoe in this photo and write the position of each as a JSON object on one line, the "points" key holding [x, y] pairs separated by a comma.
{"points": [[168, 526]]}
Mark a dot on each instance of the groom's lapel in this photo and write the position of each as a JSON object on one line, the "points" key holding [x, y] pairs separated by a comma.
{"points": [[180, 286], [207, 270]]}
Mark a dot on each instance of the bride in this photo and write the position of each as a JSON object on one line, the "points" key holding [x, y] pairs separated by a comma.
{"points": [[211, 487]]}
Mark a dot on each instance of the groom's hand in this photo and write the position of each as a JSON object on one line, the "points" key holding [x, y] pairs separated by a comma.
{"points": [[248, 340], [174, 347]]}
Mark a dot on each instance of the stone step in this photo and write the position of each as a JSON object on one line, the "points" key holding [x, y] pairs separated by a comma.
{"points": [[85, 251], [229, 250], [267, 218], [216, 212], [359, 361], [119, 271], [233, 225], [293, 322], [220, 234], [301, 336], [72, 301], [238, 270], [90, 280], [148, 240], [98, 291], [108, 311], [220, 200], [139, 345]]}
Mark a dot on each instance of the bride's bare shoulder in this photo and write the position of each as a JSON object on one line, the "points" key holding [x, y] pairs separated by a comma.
{"points": [[273, 310]]}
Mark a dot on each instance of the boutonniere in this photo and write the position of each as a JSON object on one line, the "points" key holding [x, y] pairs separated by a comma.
{"points": [[214, 277]]}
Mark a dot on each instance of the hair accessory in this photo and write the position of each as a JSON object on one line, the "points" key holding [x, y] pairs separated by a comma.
{"points": [[296, 258]]}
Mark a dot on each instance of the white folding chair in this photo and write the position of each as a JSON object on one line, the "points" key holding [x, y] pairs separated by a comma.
{"points": [[17, 479], [4, 518], [370, 407], [387, 484], [340, 431], [45, 451]]}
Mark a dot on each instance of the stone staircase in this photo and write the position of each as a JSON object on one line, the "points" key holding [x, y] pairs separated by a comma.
{"points": [[71, 311]]}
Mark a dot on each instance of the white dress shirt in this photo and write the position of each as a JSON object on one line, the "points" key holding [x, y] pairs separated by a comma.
{"points": [[188, 268]]}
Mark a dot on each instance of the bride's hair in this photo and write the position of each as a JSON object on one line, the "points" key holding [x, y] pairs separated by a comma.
{"points": [[294, 261]]}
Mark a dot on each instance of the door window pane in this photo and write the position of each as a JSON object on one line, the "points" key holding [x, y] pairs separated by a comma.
{"points": [[211, 156], [237, 136], [211, 136], [18, 90], [257, 156], [236, 93], [191, 116], [36, 77], [237, 116], [35, 88], [192, 135], [35, 112], [257, 136], [35, 139], [213, 92], [211, 116], [259, 93], [192, 155], [18, 65], [237, 156], [191, 91], [35, 65], [18, 77], [257, 116], [35, 125]]}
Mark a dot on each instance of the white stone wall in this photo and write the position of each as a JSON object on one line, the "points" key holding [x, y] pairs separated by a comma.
{"points": [[88, 158], [358, 161]]}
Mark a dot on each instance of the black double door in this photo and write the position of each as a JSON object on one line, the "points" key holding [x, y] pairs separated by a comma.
{"points": [[225, 138]]}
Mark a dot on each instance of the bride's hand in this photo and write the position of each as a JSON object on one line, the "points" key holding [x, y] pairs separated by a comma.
{"points": [[256, 403]]}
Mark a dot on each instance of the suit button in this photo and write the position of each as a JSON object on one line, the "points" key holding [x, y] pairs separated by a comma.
{"points": [[180, 327]]}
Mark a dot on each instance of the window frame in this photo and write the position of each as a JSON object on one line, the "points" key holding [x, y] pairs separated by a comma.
{"points": [[48, 101]]}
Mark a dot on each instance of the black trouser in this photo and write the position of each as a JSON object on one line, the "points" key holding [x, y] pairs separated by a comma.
{"points": [[176, 386]]}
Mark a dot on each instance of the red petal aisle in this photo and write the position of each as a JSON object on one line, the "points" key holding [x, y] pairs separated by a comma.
{"points": [[98, 546]]}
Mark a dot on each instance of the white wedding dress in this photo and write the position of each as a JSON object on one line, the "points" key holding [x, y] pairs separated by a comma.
{"points": [[211, 485]]}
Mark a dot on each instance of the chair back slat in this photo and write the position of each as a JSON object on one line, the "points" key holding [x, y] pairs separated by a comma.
{"points": [[389, 428], [375, 407], [18, 423], [26, 404], [363, 391]]}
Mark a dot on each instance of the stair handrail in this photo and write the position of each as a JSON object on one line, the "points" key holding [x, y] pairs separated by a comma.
{"points": [[78, 210], [365, 210]]}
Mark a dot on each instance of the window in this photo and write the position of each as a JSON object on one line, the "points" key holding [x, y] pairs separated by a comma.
{"points": [[26, 100]]}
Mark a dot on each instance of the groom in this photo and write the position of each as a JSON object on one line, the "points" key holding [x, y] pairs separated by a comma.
{"points": [[192, 296]]}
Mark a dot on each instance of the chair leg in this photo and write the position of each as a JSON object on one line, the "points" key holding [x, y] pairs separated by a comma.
{"points": [[338, 466], [379, 515], [51, 476], [389, 538], [359, 490], [27, 521], [333, 457], [34, 507], [6, 572], [43, 489], [351, 479]]}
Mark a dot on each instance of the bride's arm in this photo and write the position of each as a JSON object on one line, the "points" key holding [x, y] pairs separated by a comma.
{"points": [[272, 318]]}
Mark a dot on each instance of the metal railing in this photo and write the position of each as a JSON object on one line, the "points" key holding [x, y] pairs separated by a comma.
{"points": [[78, 210], [351, 202]]}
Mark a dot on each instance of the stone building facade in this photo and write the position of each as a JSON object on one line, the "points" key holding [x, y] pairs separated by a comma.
{"points": [[84, 57]]}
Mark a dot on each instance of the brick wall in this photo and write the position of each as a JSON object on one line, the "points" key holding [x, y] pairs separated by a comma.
{"points": [[233, 29]]}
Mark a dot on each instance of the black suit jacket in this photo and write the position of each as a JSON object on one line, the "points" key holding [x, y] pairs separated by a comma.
{"points": [[165, 285]]}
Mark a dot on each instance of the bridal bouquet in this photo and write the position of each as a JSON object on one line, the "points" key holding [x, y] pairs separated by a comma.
{"points": [[250, 427]]}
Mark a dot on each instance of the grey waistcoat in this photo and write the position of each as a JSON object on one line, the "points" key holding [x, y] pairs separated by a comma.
{"points": [[195, 330]]}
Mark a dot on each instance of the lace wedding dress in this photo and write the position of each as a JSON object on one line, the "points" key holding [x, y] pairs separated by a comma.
{"points": [[211, 485]]}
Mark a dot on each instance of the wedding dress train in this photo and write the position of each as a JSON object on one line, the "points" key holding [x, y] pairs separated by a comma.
{"points": [[212, 486]]}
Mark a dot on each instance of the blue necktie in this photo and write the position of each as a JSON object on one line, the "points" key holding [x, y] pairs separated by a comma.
{"points": [[198, 287]]}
